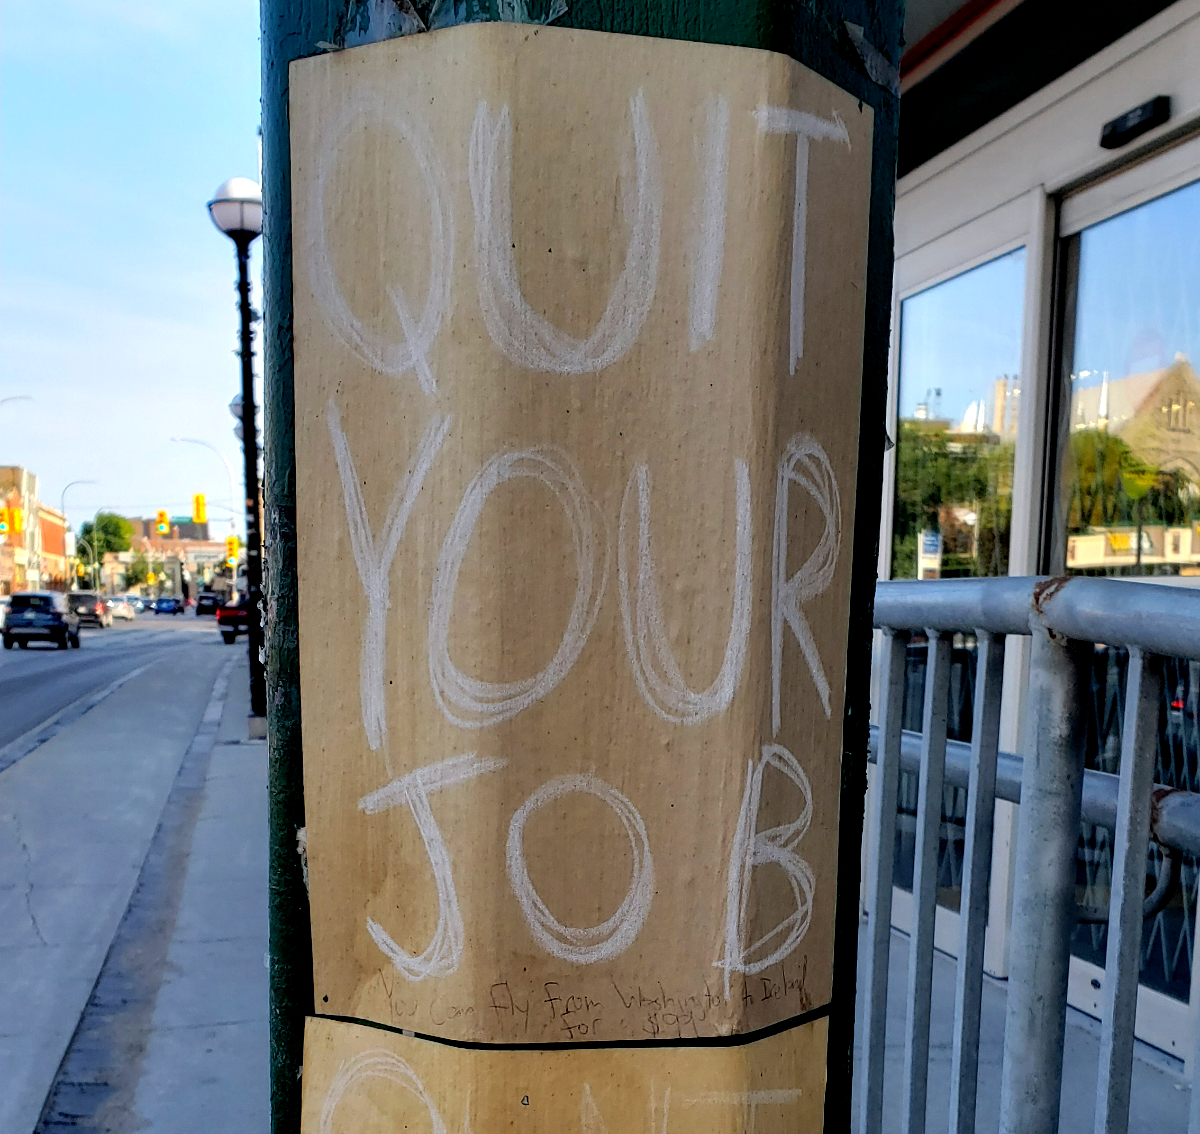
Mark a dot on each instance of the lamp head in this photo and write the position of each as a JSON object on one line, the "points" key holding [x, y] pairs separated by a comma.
{"points": [[236, 209]]}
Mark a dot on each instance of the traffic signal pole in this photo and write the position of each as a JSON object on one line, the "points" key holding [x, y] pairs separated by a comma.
{"points": [[853, 43], [258, 683]]}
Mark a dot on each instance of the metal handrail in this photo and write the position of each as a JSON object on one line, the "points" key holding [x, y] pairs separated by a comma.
{"points": [[1174, 822], [1064, 618], [1116, 612]]}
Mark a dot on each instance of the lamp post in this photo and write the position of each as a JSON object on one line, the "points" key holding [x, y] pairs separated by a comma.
{"points": [[62, 507], [236, 209], [228, 469]]}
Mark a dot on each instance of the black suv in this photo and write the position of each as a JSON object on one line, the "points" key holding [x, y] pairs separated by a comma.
{"points": [[207, 603], [90, 608], [41, 616]]}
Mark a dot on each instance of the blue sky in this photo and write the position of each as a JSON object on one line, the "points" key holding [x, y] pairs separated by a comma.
{"points": [[1139, 288], [1138, 306], [117, 308], [961, 335]]}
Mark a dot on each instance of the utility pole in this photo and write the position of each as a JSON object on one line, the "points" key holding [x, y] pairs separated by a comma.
{"points": [[853, 43]]}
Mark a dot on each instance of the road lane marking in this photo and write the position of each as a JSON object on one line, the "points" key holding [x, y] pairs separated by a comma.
{"points": [[38, 735]]}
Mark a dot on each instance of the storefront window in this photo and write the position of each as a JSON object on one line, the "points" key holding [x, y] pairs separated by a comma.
{"points": [[1130, 484], [1129, 505], [959, 402]]}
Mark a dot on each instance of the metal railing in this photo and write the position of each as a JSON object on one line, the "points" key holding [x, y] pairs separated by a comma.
{"points": [[1065, 618]]}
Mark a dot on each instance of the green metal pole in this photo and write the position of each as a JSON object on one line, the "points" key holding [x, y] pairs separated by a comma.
{"points": [[814, 32], [291, 29]]}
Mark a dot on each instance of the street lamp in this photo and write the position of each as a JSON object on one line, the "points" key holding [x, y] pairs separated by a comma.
{"points": [[16, 398], [228, 469], [62, 502], [236, 209]]}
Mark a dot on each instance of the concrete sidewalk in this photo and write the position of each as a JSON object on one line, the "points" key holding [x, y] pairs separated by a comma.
{"points": [[1159, 1098], [207, 1064]]}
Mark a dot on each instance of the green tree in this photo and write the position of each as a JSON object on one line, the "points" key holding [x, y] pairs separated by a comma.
{"points": [[935, 472], [135, 573], [109, 532]]}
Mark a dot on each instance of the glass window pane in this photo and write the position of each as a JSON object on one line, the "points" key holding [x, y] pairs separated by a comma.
{"points": [[959, 397], [1129, 505], [1130, 489]]}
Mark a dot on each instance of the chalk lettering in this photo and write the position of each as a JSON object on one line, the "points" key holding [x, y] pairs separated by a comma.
{"points": [[583, 946], [523, 334], [805, 463], [374, 559], [804, 127], [377, 1064], [385, 113], [444, 951], [708, 248], [471, 703], [775, 846], [647, 643]]}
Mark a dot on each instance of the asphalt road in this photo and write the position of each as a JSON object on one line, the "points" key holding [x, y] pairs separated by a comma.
{"points": [[38, 682]]}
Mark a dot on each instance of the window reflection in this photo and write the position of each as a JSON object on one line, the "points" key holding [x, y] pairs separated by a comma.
{"points": [[959, 402], [1129, 505], [1130, 499]]}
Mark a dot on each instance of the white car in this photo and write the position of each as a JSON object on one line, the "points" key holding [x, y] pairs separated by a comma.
{"points": [[4, 602], [119, 607]]}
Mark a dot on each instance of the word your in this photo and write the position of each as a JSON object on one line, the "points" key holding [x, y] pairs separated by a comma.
{"points": [[518, 331], [471, 703], [587, 945]]}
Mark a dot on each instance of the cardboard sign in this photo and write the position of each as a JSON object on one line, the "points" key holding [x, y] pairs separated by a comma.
{"points": [[579, 325], [373, 1082]]}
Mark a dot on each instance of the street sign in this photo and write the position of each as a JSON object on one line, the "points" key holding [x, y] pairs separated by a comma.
{"points": [[572, 757]]}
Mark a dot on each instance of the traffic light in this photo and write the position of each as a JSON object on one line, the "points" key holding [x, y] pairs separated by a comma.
{"points": [[162, 523], [3, 521], [149, 577], [199, 509], [79, 570], [16, 520], [231, 551]]}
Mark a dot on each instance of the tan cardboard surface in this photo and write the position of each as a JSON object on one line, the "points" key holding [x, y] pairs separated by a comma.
{"points": [[364, 1080], [566, 517]]}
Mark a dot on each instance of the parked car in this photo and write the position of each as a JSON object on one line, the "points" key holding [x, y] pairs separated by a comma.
{"points": [[90, 608], [169, 605], [207, 603], [233, 619], [119, 607], [41, 616], [137, 602]]}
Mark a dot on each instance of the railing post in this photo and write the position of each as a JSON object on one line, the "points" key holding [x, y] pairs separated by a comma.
{"points": [[1044, 903], [879, 882], [977, 869], [924, 890], [1122, 963]]}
